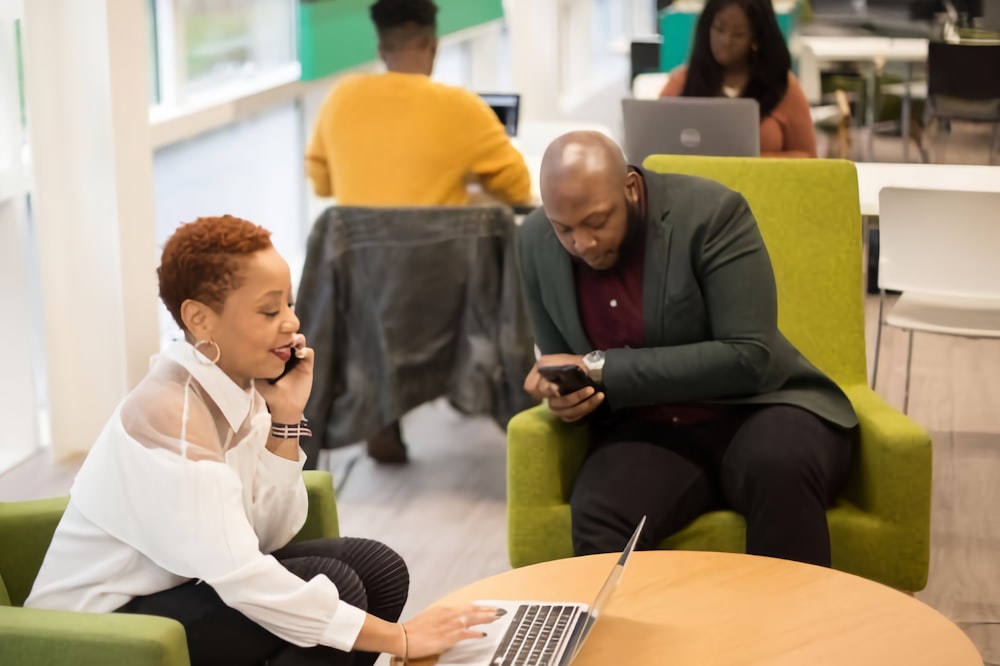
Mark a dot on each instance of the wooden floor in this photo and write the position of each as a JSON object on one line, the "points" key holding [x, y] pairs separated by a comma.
{"points": [[445, 512]]}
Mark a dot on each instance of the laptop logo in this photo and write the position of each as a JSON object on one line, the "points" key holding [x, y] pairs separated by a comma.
{"points": [[690, 137]]}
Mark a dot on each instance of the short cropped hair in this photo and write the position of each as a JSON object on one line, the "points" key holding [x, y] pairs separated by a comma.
{"points": [[203, 261], [400, 22]]}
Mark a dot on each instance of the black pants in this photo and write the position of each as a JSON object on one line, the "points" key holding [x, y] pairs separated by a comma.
{"points": [[779, 466], [367, 574]]}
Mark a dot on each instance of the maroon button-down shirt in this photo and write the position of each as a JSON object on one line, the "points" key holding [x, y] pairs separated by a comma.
{"points": [[610, 307]]}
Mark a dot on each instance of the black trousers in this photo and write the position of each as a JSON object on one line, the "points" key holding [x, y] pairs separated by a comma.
{"points": [[367, 574], [779, 466]]}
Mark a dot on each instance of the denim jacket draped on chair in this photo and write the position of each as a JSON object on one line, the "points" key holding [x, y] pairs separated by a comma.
{"points": [[405, 305]]}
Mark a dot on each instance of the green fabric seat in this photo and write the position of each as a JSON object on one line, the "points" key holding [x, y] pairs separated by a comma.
{"points": [[810, 219], [32, 637]]}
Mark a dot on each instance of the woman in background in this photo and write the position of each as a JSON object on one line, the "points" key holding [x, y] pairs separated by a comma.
{"points": [[187, 502], [739, 51]]}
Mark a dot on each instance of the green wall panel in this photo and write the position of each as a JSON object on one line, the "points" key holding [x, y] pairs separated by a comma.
{"points": [[337, 34]]}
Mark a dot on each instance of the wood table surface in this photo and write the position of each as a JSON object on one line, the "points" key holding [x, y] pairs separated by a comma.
{"points": [[680, 607]]}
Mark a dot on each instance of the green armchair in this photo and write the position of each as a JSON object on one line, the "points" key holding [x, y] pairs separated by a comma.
{"points": [[32, 637], [810, 218]]}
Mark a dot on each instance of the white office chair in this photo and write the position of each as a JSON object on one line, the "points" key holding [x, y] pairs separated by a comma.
{"points": [[939, 248]]}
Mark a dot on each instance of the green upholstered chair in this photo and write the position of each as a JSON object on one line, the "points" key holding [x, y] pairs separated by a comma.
{"points": [[810, 219], [33, 637]]}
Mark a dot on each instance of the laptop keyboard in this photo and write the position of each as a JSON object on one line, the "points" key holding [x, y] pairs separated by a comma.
{"points": [[534, 635]]}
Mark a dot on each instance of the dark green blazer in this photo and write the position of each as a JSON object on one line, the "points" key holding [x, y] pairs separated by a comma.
{"points": [[709, 308]]}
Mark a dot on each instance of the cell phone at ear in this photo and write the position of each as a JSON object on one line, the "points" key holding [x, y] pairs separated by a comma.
{"points": [[569, 378], [293, 360]]}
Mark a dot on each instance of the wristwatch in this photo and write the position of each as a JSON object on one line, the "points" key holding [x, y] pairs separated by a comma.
{"points": [[595, 365]]}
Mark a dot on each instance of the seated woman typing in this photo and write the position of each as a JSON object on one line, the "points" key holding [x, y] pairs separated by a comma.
{"points": [[185, 506], [739, 51]]}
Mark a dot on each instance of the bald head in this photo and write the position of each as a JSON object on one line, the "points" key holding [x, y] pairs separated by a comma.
{"points": [[577, 162], [589, 196]]}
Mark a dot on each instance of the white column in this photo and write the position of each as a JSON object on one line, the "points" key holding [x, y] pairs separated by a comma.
{"points": [[484, 52], [535, 51], [86, 68], [642, 18]]}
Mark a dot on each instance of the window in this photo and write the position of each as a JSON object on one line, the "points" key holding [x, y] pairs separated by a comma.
{"points": [[154, 63], [235, 39], [22, 393], [11, 101]]}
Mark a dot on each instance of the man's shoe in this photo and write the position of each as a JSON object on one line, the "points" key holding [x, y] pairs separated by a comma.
{"points": [[387, 446]]}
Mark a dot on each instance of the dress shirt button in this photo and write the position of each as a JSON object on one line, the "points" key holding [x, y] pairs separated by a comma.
{"points": [[675, 420], [613, 303]]}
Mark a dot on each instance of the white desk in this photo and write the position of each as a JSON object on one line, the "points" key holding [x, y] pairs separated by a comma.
{"points": [[866, 49], [872, 51], [874, 176]]}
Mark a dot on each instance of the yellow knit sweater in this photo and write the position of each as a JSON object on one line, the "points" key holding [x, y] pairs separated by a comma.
{"points": [[403, 140]]}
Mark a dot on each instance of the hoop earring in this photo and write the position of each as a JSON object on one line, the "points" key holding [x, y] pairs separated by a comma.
{"points": [[202, 357]]}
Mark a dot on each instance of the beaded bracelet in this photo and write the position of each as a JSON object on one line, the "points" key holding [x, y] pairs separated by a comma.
{"points": [[291, 430]]}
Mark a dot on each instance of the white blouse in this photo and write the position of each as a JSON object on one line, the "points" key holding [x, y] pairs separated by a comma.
{"points": [[180, 486]]}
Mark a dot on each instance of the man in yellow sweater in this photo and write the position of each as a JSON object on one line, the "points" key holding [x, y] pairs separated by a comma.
{"points": [[400, 139]]}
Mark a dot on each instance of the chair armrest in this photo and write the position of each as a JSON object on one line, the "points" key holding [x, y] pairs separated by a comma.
{"points": [[544, 456], [543, 459], [34, 637], [321, 522], [891, 475]]}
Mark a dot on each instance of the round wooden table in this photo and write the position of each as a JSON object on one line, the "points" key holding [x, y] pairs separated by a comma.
{"points": [[692, 608]]}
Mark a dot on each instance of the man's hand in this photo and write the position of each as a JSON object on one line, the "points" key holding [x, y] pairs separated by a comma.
{"points": [[567, 408]]}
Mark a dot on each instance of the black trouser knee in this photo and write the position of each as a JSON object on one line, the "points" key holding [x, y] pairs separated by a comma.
{"points": [[367, 574]]}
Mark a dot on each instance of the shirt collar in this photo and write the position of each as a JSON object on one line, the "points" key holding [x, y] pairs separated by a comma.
{"points": [[234, 401]]}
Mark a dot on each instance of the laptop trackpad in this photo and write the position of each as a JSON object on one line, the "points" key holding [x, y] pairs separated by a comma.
{"points": [[554, 622]]}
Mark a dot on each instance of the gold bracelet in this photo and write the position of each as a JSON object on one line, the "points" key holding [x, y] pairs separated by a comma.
{"points": [[406, 645]]}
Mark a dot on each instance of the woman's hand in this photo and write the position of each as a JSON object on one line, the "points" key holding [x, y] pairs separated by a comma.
{"points": [[567, 408], [286, 399], [437, 629]]}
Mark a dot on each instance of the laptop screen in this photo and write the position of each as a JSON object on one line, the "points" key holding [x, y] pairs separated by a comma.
{"points": [[507, 106], [717, 126], [610, 585]]}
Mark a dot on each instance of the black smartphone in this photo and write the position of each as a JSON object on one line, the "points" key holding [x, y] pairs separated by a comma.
{"points": [[569, 378], [291, 363]]}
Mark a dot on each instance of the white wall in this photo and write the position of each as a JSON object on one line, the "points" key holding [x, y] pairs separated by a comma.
{"points": [[570, 55]]}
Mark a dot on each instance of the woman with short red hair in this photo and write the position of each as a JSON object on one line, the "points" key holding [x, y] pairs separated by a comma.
{"points": [[188, 500]]}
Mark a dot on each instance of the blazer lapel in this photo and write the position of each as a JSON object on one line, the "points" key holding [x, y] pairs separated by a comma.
{"points": [[559, 295], [654, 280]]}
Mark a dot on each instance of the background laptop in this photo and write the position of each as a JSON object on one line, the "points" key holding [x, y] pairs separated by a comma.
{"points": [[717, 126], [507, 106], [539, 633]]}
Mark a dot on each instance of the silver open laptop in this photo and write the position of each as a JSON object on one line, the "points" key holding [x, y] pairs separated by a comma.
{"points": [[718, 126], [534, 633]]}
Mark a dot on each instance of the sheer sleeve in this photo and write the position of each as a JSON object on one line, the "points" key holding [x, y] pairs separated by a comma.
{"points": [[168, 411], [166, 489], [278, 499]]}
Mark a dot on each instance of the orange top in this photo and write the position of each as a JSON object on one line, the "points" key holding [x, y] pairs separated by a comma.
{"points": [[786, 132]]}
